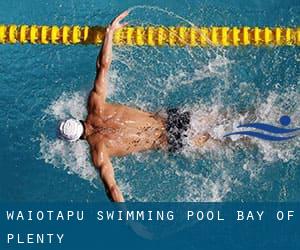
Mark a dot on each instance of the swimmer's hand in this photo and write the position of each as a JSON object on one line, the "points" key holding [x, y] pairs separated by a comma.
{"points": [[115, 24]]}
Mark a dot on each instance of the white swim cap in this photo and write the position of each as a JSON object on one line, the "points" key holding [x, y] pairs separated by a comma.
{"points": [[70, 130]]}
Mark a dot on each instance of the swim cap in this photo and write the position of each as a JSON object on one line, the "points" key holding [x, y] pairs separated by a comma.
{"points": [[70, 129]]}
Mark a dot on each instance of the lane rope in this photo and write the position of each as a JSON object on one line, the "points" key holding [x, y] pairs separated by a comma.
{"points": [[152, 35]]}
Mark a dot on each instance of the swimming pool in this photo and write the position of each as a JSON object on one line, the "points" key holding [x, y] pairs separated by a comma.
{"points": [[42, 84]]}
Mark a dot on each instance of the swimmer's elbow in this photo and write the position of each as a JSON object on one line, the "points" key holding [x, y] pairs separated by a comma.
{"points": [[105, 63], [99, 163]]}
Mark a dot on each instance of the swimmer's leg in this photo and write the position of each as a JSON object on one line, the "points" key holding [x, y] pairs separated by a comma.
{"points": [[203, 138], [200, 140]]}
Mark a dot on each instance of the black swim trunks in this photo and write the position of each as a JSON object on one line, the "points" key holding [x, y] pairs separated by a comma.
{"points": [[177, 125]]}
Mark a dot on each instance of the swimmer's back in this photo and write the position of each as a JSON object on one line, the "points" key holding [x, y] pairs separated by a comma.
{"points": [[126, 130]]}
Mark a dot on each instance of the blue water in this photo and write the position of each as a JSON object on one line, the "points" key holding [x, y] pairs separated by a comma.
{"points": [[42, 84]]}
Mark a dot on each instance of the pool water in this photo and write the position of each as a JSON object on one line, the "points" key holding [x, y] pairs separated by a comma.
{"points": [[43, 84]]}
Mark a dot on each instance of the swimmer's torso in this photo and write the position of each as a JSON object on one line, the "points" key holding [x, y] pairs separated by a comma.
{"points": [[124, 130]]}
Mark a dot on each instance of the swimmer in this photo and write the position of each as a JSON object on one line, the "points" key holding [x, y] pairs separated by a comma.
{"points": [[114, 130]]}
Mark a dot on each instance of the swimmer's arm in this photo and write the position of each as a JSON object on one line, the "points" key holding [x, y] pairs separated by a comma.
{"points": [[103, 64], [103, 164], [105, 56]]}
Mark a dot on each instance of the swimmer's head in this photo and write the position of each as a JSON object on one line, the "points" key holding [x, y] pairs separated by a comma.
{"points": [[70, 130]]}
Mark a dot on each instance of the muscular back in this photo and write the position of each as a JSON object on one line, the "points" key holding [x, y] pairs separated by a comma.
{"points": [[123, 129]]}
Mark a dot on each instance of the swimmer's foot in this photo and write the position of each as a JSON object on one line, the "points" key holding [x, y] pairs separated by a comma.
{"points": [[200, 140]]}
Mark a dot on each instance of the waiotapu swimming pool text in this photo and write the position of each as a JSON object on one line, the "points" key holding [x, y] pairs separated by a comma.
{"points": [[141, 215], [103, 216]]}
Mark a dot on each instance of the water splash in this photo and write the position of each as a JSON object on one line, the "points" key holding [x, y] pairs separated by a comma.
{"points": [[74, 158], [215, 85], [192, 185]]}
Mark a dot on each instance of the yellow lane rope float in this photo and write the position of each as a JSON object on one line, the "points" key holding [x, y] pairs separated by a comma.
{"points": [[152, 36]]}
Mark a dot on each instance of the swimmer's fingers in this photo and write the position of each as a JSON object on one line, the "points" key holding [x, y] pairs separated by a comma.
{"points": [[115, 24], [122, 16], [122, 25]]}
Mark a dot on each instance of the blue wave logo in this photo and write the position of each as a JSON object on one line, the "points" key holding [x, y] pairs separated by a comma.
{"points": [[279, 133]]}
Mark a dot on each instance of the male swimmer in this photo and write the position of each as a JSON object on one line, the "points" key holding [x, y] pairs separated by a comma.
{"points": [[117, 130]]}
